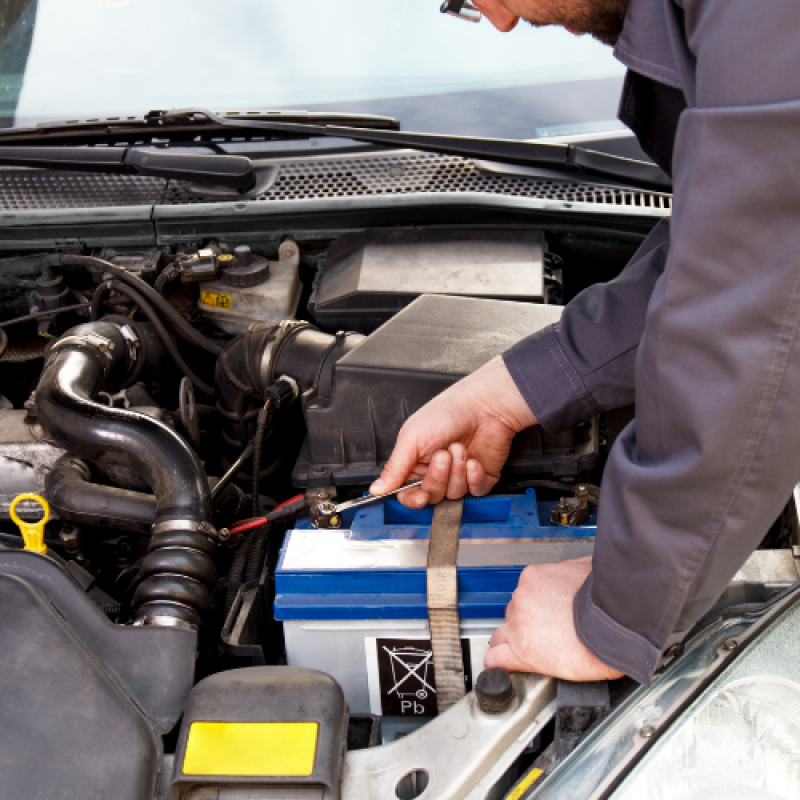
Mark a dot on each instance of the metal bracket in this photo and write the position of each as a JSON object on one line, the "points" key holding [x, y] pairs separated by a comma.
{"points": [[461, 753]]}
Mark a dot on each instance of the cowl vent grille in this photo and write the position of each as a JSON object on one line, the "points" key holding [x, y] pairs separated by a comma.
{"points": [[315, 179], [28, 189], [321, 178]]}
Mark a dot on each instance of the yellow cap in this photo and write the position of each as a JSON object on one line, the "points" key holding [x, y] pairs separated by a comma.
{"points": [[32, 532]]}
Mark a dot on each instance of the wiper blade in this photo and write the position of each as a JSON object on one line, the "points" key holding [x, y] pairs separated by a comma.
{"points": [[235, 172], [179, 125]]}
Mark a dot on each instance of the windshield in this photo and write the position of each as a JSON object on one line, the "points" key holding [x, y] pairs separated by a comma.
{"points": [[77, 59]]}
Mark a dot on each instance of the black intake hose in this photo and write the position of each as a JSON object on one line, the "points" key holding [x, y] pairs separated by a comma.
{"points": [[178, 573], [71, 492], [257, 358]]}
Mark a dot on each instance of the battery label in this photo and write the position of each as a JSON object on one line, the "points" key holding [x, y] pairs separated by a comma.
{"points": [[401, 676], [216, 299]]}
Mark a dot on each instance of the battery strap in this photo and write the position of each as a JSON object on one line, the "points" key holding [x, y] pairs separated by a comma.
{"points": [[442, 577]]}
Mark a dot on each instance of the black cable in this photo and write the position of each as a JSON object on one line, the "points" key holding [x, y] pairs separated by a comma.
{"points": [[46, 313], [173, 318], [153, 317], [231, 473], [263, 419]]}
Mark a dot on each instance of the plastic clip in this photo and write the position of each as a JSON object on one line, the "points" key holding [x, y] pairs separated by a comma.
{"points": [[461, 9], [32, 532]]}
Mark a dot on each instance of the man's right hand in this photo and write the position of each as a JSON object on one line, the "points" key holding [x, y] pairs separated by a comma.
{"points": [[459, 440]]}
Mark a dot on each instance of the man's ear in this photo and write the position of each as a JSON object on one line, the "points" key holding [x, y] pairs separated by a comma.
{"points": [[496, 12]]}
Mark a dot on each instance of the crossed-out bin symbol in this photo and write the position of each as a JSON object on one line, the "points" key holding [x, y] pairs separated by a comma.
{"points": [[411, 670]]}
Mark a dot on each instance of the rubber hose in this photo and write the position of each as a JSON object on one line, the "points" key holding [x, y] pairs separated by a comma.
{"points": [[72, 494], [175, 320], [295, 348], [168, 274], [152, 316], [179, 570], [256, 555], [236, 573]]}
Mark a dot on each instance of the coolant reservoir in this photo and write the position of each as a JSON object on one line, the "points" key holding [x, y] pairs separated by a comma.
{"points": [[251, 289]]}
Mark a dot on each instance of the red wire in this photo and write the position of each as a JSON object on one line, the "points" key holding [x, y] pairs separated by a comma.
{"points": [[255, 522], [290, 500], [248, 524]]}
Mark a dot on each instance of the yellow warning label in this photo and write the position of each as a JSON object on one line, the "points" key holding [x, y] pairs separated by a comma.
{"points": [[525, 784], [284, 749], [216, 299]]}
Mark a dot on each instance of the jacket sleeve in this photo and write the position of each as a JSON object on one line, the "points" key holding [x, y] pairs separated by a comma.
{"points": [[692, 485], [584, 364]]}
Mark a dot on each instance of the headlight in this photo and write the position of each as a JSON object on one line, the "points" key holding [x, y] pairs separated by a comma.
{"points": [[740, 740]]}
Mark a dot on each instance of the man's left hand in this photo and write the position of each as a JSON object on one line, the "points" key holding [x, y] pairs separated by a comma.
{"points": [[539, 632]]}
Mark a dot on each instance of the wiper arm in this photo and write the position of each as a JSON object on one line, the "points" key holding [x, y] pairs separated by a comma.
{"points": [[177, 125], [235, 172], [561, 157]]}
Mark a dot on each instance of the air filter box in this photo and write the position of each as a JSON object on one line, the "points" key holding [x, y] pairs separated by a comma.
{"points": [[368, 278], [354, 414]]}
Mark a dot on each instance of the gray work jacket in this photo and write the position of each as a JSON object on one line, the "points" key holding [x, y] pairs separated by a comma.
{"points": [[700, 329]]}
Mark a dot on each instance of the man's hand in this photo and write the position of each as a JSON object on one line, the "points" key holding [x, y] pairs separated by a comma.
{"points": [[539, 632], [497, 13], [460, 440]]}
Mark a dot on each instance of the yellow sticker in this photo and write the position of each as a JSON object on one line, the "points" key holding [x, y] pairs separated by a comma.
{"points": [[284, 749], [216, 299], [524, 784]]}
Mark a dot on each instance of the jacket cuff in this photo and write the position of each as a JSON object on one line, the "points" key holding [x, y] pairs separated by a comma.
{"points": [[616, 646], [549, 383]]}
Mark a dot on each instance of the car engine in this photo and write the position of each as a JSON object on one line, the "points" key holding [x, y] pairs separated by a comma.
{"points": [[178, 411]]}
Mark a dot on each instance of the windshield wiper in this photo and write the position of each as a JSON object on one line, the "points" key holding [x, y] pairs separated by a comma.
{"points": [[235, 172], [178, 126], [559, 157], [197, 122]]}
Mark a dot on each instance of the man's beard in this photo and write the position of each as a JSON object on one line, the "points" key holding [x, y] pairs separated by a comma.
{"points": [[602, 19]]}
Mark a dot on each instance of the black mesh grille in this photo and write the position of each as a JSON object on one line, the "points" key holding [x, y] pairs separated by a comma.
{"points": [[25, 190], [405, 174], [314, 179]]}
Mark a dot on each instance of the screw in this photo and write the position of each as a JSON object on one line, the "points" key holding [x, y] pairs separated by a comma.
{"points": [[647, 731], [730, 645]]}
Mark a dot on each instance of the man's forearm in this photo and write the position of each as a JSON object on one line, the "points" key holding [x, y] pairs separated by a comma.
{"points": [[584, 364]]}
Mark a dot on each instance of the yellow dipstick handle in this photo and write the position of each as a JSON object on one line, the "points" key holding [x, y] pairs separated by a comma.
{"points": [[32, 532]]}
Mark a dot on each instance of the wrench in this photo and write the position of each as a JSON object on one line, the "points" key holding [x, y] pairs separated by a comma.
{"points": [[329, 515]]}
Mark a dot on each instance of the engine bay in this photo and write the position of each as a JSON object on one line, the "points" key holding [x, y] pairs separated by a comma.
{"points": [[181, 409]]}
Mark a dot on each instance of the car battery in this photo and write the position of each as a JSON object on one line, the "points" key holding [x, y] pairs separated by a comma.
{"points": [[352, 600]]}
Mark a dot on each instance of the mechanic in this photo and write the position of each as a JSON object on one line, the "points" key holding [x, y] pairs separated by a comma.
{"points": [[701, 329]]}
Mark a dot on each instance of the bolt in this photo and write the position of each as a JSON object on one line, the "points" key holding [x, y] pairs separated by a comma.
{"points": [[494, 690], [223, 534], [647, 731], [730, 645]]}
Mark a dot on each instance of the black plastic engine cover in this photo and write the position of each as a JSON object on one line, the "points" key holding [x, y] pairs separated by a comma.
{"points": [[353, 421], [262, 732], [368, 277], [82, 701]]}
